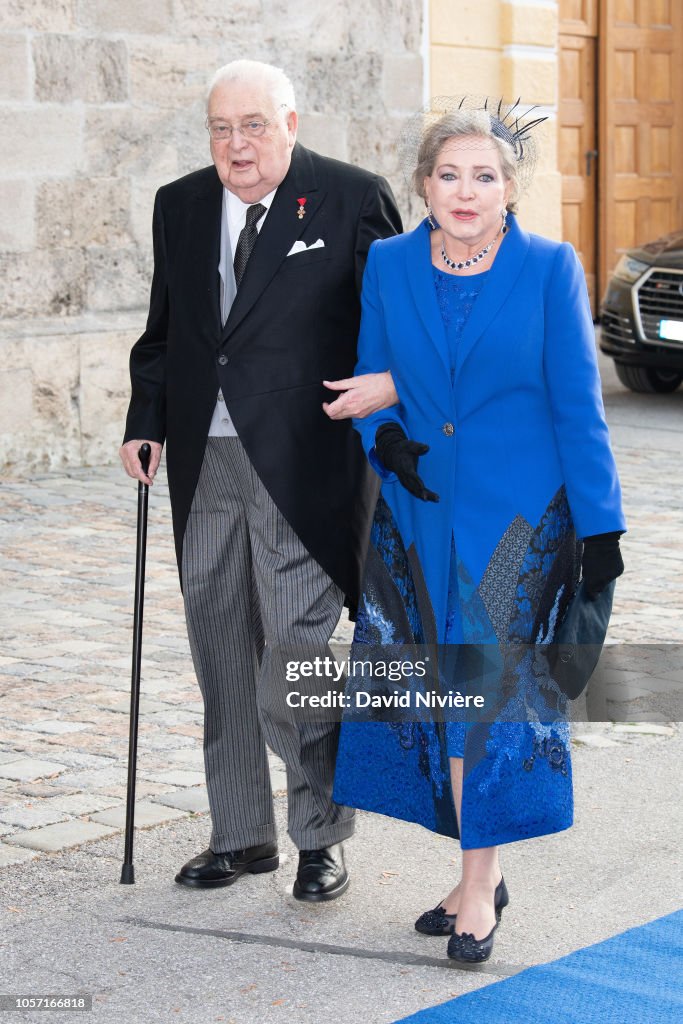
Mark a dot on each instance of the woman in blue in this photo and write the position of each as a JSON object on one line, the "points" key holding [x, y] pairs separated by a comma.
{"points": [[498, 489]]}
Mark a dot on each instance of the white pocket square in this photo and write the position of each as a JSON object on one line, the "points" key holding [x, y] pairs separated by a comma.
{"points": [[302, 247]]}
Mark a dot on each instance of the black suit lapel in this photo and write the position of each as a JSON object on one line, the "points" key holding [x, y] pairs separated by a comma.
{"points": [[280, 230], [204, 248]]}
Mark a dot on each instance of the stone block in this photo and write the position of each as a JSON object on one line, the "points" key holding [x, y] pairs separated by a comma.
{"points": [[195, 801], [64, 836], [33, 815], [469, 23], [324, 133], [322, 28], [374, 147], [171, 74], [402, 82], [453, 69], [80, 212], [194, 757], [17, 226], [529, 25], [146, 814], [124, 141], [240, 23], [590, 739], [30, 768], [54, 727], [44, 140], [104, 393], [15, 84], [142, 193], [117, 278], [644, 729], [178, 777], [129, 16], [7, 756], [191, 138], [357, 78], [13, 855], [16, 400], [39, 399], [42, 283], [71, 68], [534, 78], [82, 803], [38, 15], [394, 27]]}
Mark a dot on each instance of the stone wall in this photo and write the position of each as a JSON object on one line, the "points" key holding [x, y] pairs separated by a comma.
{"points": [[101, 102]]}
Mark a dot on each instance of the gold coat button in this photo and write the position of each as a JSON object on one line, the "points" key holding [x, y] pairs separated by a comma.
{"points": [[448, 429]]}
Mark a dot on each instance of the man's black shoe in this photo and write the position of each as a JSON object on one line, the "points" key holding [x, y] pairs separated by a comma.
{"points": [[210, 870], [321, 874]]}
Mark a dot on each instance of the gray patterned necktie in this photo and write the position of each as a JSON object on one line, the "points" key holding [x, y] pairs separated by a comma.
{"points": [[247, 241]]}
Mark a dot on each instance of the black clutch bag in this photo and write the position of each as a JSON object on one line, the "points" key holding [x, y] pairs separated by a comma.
{"points": [[579, 640]]}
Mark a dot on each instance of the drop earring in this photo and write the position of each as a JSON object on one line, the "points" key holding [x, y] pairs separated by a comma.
{"points": [[504, 227], [430, 217]]}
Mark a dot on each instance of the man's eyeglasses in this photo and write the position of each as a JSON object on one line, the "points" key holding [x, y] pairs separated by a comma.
{"points": [[252, 129]]}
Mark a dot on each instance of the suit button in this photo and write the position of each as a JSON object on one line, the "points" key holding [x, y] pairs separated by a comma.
{"points": [[223, 360], [448, 429]]}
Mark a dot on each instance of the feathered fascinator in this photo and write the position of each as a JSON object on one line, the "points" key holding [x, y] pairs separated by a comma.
{"points": [[511, 122]]}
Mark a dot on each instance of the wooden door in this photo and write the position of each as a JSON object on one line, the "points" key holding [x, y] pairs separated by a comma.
{"points": [[641, 124], [578, 133]]}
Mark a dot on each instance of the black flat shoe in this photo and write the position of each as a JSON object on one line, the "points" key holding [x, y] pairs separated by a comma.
{"points": [[321, 875], [469, 950], [210, 870], [435, 922], [438, 922]]}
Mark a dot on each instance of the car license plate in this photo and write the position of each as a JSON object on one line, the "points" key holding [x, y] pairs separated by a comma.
{"points": [[671, 330]]}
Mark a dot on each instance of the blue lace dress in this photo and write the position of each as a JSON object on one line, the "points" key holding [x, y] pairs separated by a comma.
{"points": [[517, 770], [456, 297]]}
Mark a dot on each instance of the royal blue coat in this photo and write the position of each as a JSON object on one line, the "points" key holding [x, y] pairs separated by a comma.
{"points": [[519, 454]]}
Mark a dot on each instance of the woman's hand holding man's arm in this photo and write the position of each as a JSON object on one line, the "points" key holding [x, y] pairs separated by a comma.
{"points": [[361, 396]]}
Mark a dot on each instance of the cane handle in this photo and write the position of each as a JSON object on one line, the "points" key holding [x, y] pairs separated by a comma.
{"points": [[144, 454]]}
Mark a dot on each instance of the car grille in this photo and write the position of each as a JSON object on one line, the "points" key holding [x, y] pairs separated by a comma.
{"points": [[660, 297], [616, 328]]}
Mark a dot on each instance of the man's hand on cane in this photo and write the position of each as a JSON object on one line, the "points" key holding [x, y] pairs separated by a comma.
{"points": [[128, 453]]}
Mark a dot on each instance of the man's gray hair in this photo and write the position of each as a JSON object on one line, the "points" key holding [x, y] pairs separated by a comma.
{"points": [[461, 124], [275, 80]]}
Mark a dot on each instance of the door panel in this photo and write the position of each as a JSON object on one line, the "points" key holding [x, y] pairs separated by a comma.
{"points": [[577, 132], [641, 111]]}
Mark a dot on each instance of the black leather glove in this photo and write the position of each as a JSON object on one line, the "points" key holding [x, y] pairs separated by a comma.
{"points": [[400, 455], [601, 563]]}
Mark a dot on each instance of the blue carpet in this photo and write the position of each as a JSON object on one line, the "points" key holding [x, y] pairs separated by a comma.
{"points": [[632, 978]]}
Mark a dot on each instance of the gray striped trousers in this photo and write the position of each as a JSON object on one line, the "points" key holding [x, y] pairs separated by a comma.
{"points": [[250, 585]]}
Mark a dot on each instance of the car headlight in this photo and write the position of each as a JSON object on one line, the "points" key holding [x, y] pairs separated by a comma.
{"points": [[628, 269]]}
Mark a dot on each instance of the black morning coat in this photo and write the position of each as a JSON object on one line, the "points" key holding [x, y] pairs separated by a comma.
{"points": [[294, 322]]}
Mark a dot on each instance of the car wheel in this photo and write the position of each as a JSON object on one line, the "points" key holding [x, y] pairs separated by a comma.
{"points": [[648, 379]]}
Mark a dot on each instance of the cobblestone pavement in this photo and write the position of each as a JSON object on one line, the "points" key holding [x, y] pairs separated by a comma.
{"points": [[66, 564]]}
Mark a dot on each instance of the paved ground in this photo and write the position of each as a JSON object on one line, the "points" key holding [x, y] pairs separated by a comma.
{"points": [[154, 951]]}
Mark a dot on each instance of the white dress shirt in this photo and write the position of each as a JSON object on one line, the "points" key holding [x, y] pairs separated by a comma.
{"points": [[233, 219]]}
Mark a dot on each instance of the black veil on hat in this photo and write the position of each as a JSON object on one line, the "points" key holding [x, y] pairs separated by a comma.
{"points": [[508, 121]]}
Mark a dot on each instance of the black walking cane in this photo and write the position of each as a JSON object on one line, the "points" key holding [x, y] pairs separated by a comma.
{"points": [[128, 871]]}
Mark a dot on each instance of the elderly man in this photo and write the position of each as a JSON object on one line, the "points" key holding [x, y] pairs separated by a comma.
{"points": [[258, 262]]}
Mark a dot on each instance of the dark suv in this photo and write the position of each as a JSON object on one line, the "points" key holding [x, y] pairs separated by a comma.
{"points": [[642, 316]]}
